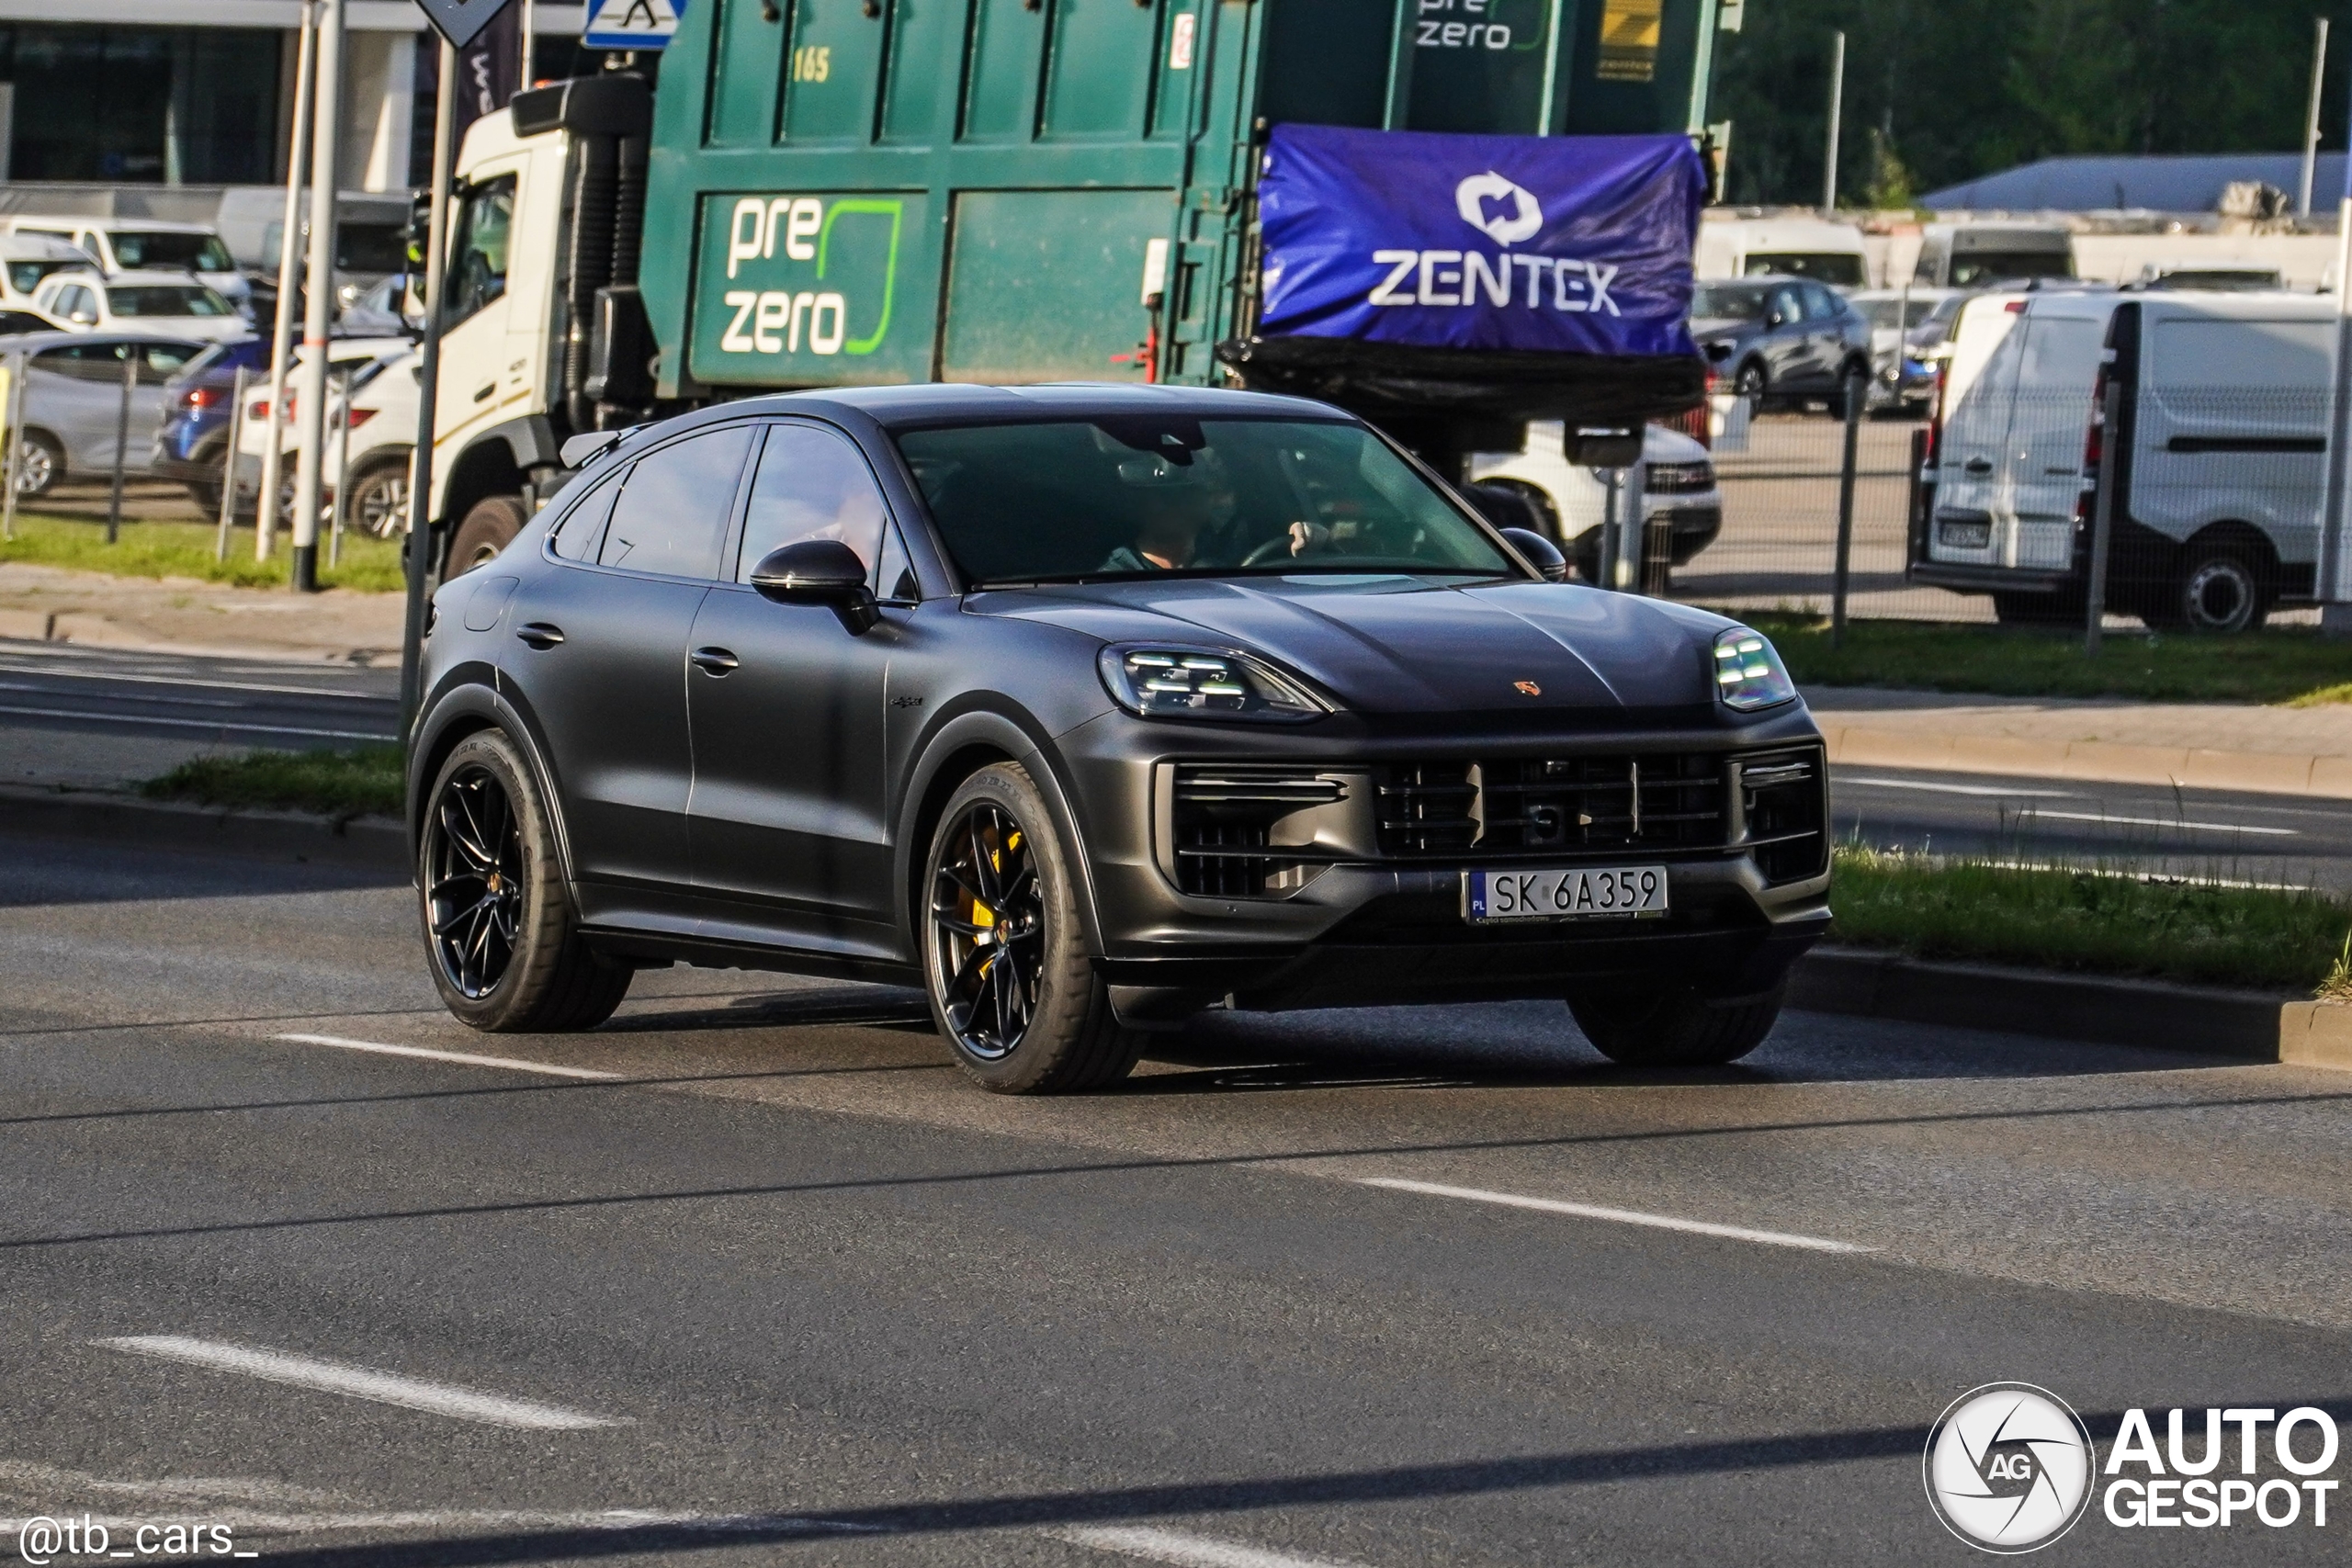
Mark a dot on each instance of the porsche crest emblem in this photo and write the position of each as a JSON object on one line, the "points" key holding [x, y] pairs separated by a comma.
{"points": [[1528, 688]]}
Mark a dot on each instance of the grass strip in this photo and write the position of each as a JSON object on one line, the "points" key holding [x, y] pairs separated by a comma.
{"points": [[184, 549], [333, 783], [2095, 921], [2291, 665]]}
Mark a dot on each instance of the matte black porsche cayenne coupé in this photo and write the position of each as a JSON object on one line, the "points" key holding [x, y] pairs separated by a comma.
{"points": [[1087, 709]]}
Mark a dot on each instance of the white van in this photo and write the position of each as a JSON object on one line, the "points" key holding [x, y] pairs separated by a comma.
{"points": [[1793, 247], [2220, 454], [1983, 255], [142, 244]]}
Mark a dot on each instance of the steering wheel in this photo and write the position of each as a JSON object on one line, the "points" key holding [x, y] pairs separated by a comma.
{"points": [[1273, 549]]}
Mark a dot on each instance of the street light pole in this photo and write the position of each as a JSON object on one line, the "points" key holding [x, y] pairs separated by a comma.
{"points": [[420, 490], [290, 234], [1837, 108], [309, 394], [2310, 116]]}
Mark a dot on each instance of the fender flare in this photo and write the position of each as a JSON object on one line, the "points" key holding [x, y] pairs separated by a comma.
{"points": [[469, 700], [1016, 736]]}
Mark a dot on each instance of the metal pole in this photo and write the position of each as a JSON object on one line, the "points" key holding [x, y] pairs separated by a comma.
{"points": [[1856, 392], [1612, 502], [1836, 106], [229, 466], [1634, 504], [130, 352], [2310, 116], [341, 466], [2110, 463], [529, 36], [419, 486], [20, 366], [2330, 586], [309, 394], [290, 234]]}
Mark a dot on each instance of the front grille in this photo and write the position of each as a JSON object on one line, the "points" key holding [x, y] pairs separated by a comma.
{"points": [[1655, 802], [1227, 818], [1784, 801]]}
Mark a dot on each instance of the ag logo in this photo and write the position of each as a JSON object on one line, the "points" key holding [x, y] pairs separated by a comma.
{"points": [[2008, 1467], [1525, 216]]}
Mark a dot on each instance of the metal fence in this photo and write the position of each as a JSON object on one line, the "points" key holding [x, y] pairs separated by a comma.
{"points": [[2215, 523]]}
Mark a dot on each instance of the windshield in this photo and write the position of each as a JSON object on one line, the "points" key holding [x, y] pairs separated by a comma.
{"points": [[136, 248], [1841, 268], [370, 247], [165, 300], [1140, 495], [2232, 280], [1974, 269], [26, 275], [1728, 302]]}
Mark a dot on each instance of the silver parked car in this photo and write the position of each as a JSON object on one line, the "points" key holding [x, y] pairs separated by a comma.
{"points": [[73, 391]]}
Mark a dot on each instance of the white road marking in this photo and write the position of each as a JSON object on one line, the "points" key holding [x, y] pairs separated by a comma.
{"points": [[358, 1383], [1187, 1550], [2158, 822], [1621, 1216], [203, 724], [460, 1058], [1842, 780], [142, 679]]}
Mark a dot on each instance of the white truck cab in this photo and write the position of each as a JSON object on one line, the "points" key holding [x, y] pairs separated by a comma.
{"points": [[1789, 247]]}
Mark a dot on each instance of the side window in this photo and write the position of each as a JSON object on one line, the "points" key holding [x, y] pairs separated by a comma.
{"points": [[1926, 271], [159, 362], [583, 529], [1788, 304], [1820, 305], [671, 514], [484, 235], [812, 484]]}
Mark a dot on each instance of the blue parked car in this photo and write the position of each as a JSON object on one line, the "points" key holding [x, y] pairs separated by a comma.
{"points": [[193, 438]]}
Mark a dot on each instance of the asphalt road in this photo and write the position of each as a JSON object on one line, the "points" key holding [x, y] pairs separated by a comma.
{"points": [[91, 715], [750, 1275], [2288, 841]]}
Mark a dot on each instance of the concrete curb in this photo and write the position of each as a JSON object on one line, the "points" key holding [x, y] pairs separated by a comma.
{"points": [[2151, 1015], [2092, 762], [376, 843]]}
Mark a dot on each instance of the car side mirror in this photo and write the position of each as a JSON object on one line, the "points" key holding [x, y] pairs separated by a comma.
{"points": [[820, 571], [1776, 318], [83, 318], [1541, 553]]}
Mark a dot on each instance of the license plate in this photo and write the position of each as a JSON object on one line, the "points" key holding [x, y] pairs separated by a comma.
{"points": [[1587, 893], [1964, 535]]}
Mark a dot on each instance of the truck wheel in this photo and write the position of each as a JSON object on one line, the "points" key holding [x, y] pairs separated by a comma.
{"points": [[2218, 587], [504, 947], [488, 528], [1012, 987], [1674, 1028]]}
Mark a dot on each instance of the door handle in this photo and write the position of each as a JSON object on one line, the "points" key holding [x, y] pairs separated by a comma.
{"points": [[485, 392], [712, 661], [540, 634], [1978, 465]]}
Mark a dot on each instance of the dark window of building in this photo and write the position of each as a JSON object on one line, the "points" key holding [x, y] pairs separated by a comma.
{"points": [[177, 106]]}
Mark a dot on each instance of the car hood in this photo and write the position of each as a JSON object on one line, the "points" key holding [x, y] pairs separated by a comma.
{"points": [[1389, 645]]}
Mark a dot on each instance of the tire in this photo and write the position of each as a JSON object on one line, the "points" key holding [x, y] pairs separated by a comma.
{"points": [[1752, 382], [2219, 589], [378, 497], [1012, 987], [43, 464], [1676, 1028], [488, 528], [2036, 610], [500, 935]]}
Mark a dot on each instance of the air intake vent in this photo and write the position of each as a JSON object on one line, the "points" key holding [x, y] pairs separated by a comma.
{"points": [[1227, 818], [1784, 799], [1557, 806]]}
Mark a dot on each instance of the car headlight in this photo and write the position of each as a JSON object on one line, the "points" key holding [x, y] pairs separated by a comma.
{"points": [[1192, 683], [1749, 675]]}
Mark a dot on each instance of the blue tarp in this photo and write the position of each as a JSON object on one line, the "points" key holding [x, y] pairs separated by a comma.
{"points": [[1561, 244]]}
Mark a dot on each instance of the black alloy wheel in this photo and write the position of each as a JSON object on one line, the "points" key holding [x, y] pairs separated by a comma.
{"points": [[1751, 382], [988, 931], [476, 881], [506, 951]]}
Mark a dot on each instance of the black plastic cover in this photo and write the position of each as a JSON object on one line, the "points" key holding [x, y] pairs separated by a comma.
{"points": [[1381, 382], [616, 103]]}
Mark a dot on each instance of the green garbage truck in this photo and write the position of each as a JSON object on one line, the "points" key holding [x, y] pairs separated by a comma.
{"points": [[851, 192]]}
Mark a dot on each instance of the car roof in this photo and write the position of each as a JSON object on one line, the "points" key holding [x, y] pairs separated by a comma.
{"points": [[930, 404], [157, 277]]}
